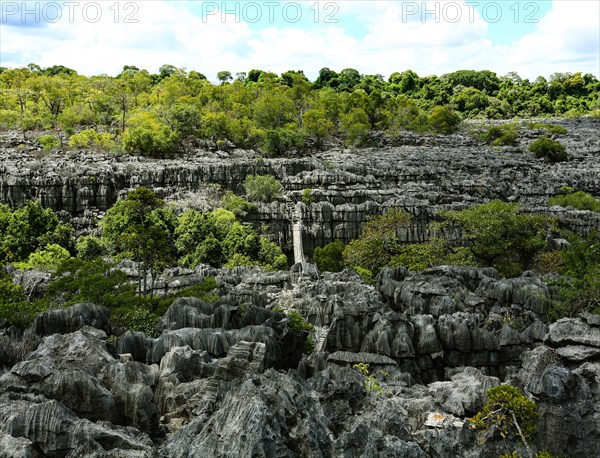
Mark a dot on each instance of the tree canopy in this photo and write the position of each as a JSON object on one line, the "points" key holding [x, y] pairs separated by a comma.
{"points": [[158, 114]]}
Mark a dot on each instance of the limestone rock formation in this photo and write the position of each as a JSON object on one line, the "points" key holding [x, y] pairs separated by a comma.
{"points": [[218, 382]]}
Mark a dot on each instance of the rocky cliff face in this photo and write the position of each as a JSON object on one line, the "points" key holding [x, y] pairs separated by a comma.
{"points": [[230, 379], [421, 174]]}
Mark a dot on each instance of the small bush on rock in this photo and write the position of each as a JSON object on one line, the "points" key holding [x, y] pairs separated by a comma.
{"points": [[579, 200], [509, 410], [504, 135], [262, 188], [552, 150]]}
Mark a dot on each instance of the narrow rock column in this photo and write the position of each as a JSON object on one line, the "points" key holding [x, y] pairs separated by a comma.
{"points": [[297, 235]]}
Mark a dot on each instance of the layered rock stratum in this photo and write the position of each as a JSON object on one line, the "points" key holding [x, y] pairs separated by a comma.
{"points": [[421, 174]]}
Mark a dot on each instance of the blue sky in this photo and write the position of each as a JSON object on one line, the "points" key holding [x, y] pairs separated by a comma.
{"points": [[430, 37]]}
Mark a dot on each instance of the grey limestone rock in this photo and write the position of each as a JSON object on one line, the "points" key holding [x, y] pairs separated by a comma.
{"points": [[70, 319]]}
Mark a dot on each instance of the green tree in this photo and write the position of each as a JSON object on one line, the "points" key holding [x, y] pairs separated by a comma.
{"points": [[317, 125], [510, 411], [379, 241], [141, 228], [28, 229], [282, 140], [443, 120], [330, 258], [147, 136], [498, 234], [48, 258], [262, 188], [224, 76]]}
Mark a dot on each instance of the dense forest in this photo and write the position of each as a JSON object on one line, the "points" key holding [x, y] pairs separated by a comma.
{"points": [[159, 114]]}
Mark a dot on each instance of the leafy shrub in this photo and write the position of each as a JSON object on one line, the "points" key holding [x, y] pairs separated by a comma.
{"points": [[90, 247], [217, 238], [8, 119], [371, 383], [48, 258], [504, 135], [282, 140], [549, 128], [420, 256], [29, 228], [135, 319], [579, 200], [508, 409], [553, 150], [378, 243], [147, 136], [239, 206], [297, 322], [330, 258], [89, 138], [499, 235], [443, 120], [262, 188], [307, 196], [356, 125], [14, 306], [48, 142], [580, 290]]}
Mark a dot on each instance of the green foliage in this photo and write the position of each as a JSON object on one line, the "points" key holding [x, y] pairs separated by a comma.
{"points": [[443, 120], [579, 200], [553, 150], [378, 243], [503, 135], [147, 136], [580, 290], [90, 247], [499, 235], [157, 113], [372, 385], [548, 128], [297, 323], [136, 318], [15, 309], [307, 196], [436, 251], [89, 138], [47, 259], [28, 229], [239, 206], [48, 142], [506, 407], [317, 125], [356, 124], [330, 258], [217, 238], [101, 283], [280, 141], [141, 228], [262, 188]]}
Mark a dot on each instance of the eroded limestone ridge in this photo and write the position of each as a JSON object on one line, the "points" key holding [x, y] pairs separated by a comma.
{"points": [[420, 174], [230, 379]]}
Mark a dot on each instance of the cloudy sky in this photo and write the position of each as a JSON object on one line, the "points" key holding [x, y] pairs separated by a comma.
{"points": [[430, 37]]}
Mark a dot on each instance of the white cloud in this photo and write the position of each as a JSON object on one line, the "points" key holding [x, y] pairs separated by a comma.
{"points": [[393, 37]]}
